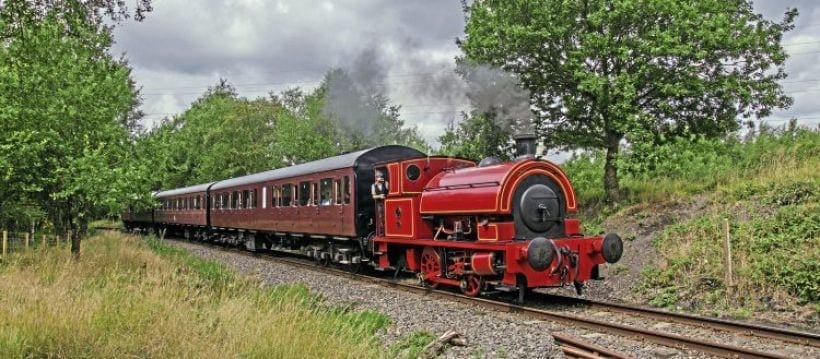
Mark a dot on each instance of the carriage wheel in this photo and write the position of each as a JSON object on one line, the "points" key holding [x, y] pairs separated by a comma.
{"points": [[430, 266], [354, 268], [472, 285]]}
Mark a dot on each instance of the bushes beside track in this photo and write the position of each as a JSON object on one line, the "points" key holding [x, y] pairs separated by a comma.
{"points": [[766, 188], [688, 166], [129, 298]]}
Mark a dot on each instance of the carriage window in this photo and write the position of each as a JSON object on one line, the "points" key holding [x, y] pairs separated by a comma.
{"points": [[246, 199], [326, 192], [287, 195], [253, 198], [213, 202], [347, 189], [264, 200], [304, 193], [274, 196], [314, 194], [224, 200], [236, 201]]}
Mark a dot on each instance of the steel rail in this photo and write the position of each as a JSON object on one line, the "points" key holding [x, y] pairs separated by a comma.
{"points": [[664, 339], [763, 331]]}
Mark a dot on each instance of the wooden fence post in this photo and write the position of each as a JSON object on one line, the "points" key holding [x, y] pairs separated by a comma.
{"points": [[727, 248], [27, 239], [5, 242]]}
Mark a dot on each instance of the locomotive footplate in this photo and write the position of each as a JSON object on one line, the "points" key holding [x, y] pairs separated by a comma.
{"points": [[541, 262]]}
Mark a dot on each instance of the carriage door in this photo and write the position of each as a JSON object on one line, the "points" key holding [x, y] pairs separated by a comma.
{"points": [[325, 205], [380, 188]]}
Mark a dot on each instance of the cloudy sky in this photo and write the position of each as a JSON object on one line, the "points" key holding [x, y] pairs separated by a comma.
{"points": [[260, 46]]}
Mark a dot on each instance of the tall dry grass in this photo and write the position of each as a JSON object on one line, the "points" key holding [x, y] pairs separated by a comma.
{"points": [[126, 298]]}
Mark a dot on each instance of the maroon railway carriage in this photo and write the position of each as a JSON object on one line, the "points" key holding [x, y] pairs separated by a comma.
{"points": [[138, 219], [183, 210]]}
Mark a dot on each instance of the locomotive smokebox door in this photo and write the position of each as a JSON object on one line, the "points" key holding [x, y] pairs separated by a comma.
{"points": [[540, 209]]}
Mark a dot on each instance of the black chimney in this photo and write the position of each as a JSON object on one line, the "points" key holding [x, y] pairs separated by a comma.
{"points": [[525, 145]]}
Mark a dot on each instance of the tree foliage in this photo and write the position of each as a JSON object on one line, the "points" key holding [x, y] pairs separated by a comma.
{"points": [[477, 136], [65, 109], [223, 135], [601, 72]]}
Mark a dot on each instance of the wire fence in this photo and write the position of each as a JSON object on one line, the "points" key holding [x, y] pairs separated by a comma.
{"points": [[20, 241]]}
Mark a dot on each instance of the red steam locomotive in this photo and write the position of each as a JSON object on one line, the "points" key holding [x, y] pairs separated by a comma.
{"points": [[505, 225]]}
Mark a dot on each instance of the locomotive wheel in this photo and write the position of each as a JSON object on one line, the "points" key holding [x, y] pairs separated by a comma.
{"points": [[472, 285], [430, 267]]}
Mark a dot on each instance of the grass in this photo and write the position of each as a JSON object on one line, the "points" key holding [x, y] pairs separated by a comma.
{"points": [[129, 298], [766, 188], [411, 345]]}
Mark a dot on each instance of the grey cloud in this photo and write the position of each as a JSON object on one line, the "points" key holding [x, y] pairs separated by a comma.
{"points": [[184, 46]]}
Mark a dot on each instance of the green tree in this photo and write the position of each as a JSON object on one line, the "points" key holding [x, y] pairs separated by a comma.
{"points": [[65, 110], [601, 72], [478, 135]]}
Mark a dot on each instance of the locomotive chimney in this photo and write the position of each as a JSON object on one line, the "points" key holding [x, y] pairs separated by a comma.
{"points": [[525, 145], [525, 139]]}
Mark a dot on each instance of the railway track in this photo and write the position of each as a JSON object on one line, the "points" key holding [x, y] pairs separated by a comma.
{"points": [[739, 328], [643, 334], [577, 348]]}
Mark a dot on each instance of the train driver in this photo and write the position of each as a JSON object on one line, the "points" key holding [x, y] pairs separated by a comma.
{"points": [[379, 190]]}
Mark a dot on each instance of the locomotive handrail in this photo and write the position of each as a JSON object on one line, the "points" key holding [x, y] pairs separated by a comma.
{"points": [[463, 186]]}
